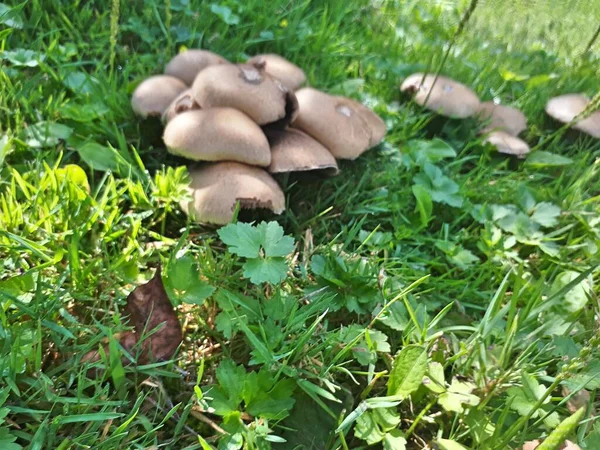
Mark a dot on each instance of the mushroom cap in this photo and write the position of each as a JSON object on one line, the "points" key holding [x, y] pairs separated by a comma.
{"points": [[182, 103], [446, 97], [375, 123], [245, 87], [277, 66], [217, 134], [502, 118], [154, 95], [216, 189], [566, 107], [334, 122], [186, 65], [507, 143], [295, 151]]}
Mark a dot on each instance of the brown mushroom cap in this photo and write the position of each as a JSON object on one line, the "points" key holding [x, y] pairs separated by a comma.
{"points": [[277, 66], [217, 134], [188, 64], [246, 88], [507, 143], [154, 95], [446, 97], [295, 151], [565, 108], [334, 122], [502, 118], [182, 103], [375, 123], [216, 189]]}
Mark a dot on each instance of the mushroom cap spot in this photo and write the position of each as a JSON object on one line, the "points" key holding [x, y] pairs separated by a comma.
{"points": [[182, 103], [507, 143], [295, 151], [277, 66], [217, 134], [375, 123], [243, 87], [216, 189], [334, 122], [502, 118], [446, 97], [188, 64], [154, 95], [566, 107]]}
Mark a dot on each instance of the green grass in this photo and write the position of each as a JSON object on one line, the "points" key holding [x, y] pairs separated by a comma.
{"points": [[490, 290]]}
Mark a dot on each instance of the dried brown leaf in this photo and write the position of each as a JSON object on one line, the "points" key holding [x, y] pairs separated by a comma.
{"points": [[153, 319]]}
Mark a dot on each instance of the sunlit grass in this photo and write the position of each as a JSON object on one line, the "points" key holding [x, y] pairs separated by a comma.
{"points": [[496, 302]]}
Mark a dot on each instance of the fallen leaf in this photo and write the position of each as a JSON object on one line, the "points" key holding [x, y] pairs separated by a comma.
{"points": [[153, 319]]}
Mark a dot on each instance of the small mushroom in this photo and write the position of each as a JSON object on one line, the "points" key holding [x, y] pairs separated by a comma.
{"points": [[295, 151], [216, 189], [502, 118], [507, 143], [154, 95], [246, 88], [335, 122], [188, 64], [182, 103], [446, 97], [566, 108], [277, 66], [217, 134]]}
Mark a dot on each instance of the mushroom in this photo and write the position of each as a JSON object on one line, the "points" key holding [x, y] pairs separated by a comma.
{"points": [[217, 134], [247, 88], [154, 95], [502, 118], [216, 189], [336, 122], [295, 151], [566, 108], [277, 66], [446, 97], [188, 64], [375, 123], [507, 143], [182, 103]]}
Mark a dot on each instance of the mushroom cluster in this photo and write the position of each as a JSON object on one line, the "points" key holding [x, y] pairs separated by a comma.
{"points": [[501, 124], [244, 122]]}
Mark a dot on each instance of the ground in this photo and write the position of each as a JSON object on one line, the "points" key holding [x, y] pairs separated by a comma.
{"points": [[435, 294]]}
